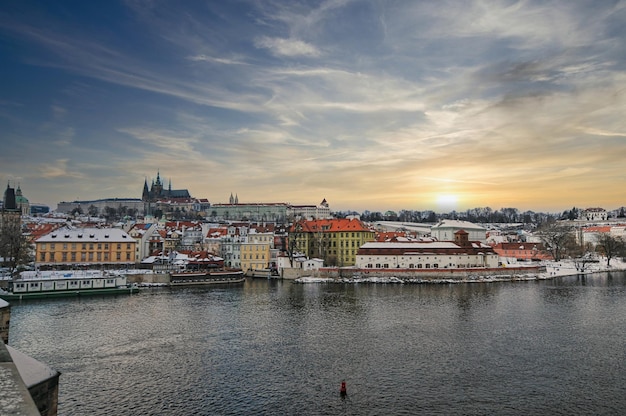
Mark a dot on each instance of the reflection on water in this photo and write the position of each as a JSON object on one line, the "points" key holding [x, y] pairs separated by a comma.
{"points": [[274, 347]]}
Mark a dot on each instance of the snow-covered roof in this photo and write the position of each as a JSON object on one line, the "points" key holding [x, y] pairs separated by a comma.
{"points": [[86, 235], [410, 245], [465, 225]]}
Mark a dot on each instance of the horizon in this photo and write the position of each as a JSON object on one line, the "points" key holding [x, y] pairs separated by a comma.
{"points": [[370, 105], [361, 211]]}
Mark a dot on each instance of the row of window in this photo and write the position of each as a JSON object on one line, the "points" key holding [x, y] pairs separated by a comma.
{"points": [[84, 246], [245, 257], [83, 256], [411, 266], [422, 266]]}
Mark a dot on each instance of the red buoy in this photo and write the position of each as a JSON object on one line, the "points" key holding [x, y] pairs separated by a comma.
{"points": [[343, 390]]}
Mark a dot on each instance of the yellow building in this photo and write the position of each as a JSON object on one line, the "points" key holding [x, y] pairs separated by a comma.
{"points": [[80, 247], [255, 256], [336, 241]]}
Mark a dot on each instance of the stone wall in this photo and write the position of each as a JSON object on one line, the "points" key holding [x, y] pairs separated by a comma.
{"points": [[5, 318], [432, 274]]}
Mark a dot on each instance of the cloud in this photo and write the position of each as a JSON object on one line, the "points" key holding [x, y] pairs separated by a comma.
{"points": [[287, 47], [59, 170], [225, 61]]}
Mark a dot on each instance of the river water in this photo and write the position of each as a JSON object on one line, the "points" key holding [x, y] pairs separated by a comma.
{"points": [[282, 348]]}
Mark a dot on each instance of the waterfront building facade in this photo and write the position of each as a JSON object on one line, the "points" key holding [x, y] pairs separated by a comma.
{"points": [[458, 254], [336, 241], [255, 256], [85, 247]]}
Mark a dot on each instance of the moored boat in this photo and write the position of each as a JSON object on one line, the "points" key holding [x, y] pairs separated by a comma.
{"points": [[207, 277], [66, 285]]}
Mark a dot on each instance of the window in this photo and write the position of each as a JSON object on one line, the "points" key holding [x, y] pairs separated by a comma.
{"points": [[119, 256], [42, 256], [43, 246], [73, 256], [83, 256], [84, 245], [419, 266], [106, 246], [119, 246], [51, 246]]}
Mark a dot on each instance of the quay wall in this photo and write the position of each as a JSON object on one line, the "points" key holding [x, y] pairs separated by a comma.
{"points": [[430, 274]]}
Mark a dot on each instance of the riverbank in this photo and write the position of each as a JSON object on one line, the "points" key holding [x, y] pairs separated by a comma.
{"points": [[547, 270]]}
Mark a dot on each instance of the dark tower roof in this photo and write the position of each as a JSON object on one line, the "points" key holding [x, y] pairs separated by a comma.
{"points": [[9, 199]]}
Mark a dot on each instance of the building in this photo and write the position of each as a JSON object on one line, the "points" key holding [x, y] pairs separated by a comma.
{"points": [[170, 202], [594, 214], [458, 254], [445, 230], [255, 256], [310, 212], [261, 212], [521, 251], [158, 192], [336, 241], [85, 247]]}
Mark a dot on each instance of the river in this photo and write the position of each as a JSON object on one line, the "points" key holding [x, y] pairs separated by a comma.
{"points": [[272, 347]]}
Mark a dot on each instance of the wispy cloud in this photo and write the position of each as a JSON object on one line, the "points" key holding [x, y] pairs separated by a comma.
{"points": [[287, 47]]}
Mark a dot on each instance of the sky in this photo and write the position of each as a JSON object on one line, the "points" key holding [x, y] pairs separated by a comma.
{"points": [[372, 105]]}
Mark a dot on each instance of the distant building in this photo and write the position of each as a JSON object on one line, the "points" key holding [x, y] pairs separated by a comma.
{"points": [[594, 214], [310, 212], [157, 199], [445, 230], [11, 213], [522, 251], [157, 191], [261, 212]]}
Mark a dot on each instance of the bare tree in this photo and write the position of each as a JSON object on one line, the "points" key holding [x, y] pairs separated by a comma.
{"points": [[556, 238], [15, 249], [610, 246]]}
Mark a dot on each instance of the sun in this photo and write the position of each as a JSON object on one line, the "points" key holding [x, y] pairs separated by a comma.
{"points": [[447, 202]]}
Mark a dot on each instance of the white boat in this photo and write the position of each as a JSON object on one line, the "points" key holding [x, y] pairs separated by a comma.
{"points": [[62, 284]]}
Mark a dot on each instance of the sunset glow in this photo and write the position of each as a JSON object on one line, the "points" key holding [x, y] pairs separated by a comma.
{"points": [[369, 105]]}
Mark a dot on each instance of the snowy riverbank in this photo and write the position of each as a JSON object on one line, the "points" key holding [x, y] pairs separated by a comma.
{"points": [[552, 270]]}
